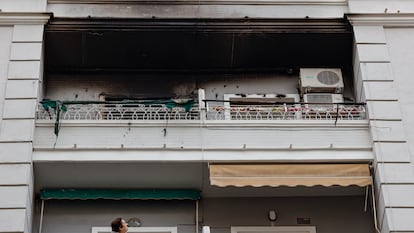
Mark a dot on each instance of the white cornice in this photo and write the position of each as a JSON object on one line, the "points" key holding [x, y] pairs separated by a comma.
{"points": [[8, 18], [382, 19], [201, 155], [205, 2]]}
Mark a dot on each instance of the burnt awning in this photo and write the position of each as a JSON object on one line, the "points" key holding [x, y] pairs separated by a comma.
{"points": [[274, 175], [188, 45]]}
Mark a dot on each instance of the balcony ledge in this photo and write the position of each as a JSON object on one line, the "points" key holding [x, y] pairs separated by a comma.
{"points": [[199, 155], [210, 123]]}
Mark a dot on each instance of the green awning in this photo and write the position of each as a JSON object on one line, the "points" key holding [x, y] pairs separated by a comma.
{"points": [[120, 194]]}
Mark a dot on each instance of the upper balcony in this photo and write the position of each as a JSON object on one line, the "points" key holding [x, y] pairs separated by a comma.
{"points": [[182, 130], [207, 124], [200, 89]]}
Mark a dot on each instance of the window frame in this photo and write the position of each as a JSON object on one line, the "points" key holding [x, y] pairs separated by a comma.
{"points": [[273, 229], [138, 229]]}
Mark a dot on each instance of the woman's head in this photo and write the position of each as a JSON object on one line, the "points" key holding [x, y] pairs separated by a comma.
{"points": [[119, 225]]}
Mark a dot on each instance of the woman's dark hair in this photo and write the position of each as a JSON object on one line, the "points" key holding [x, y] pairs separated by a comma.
{"points": [[116, 224]]}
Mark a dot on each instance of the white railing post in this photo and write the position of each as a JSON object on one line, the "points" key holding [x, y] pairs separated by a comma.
{"points": [[202, 105]]}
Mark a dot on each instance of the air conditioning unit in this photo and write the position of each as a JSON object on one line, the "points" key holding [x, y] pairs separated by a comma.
{"points": [[235, 103], [262, 98], [322, 100], [321, 80]]}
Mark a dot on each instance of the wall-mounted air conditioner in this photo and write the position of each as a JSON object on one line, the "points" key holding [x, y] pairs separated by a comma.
{"points": [[321, 80]]}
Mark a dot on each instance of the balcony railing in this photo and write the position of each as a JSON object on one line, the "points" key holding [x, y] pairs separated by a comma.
{"points": [[213, 111], [117, 111], [297, 111]]}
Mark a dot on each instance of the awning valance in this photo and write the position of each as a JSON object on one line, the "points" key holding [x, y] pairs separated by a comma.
{"points": [[119, 194], [291, 175]]}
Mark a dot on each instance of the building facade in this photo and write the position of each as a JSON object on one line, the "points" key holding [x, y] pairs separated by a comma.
{"points": [[206, 116]]}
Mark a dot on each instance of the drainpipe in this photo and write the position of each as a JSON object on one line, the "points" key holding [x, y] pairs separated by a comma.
{"points": [[196, 218], [374, 207], [41, 216]]}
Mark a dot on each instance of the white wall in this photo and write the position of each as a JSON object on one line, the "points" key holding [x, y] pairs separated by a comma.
{"points": [[90, 87], [191, 136], [83, 87], [401, 49], [5, 47], [202, 9], [380, 6], [382, 64], [14, 170], [21, 37], [23, 5]]}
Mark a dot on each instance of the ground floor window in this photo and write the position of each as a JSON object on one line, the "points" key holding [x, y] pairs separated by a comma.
{"points": [[138, 229], [274, 229]]}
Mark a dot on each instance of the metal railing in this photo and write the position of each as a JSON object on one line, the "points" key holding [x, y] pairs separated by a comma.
{"points": [[119, 112], [213, 111], [295, 111]]}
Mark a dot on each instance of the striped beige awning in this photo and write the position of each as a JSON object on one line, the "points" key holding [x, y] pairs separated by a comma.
{"points": [[258, 175]]}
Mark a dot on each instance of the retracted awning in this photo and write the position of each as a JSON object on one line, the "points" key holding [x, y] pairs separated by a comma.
{"points": [[118, 194], [274, 175]]}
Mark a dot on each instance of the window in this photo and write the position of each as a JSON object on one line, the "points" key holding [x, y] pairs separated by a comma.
{"points": [[278, 229], [138, 229]]}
